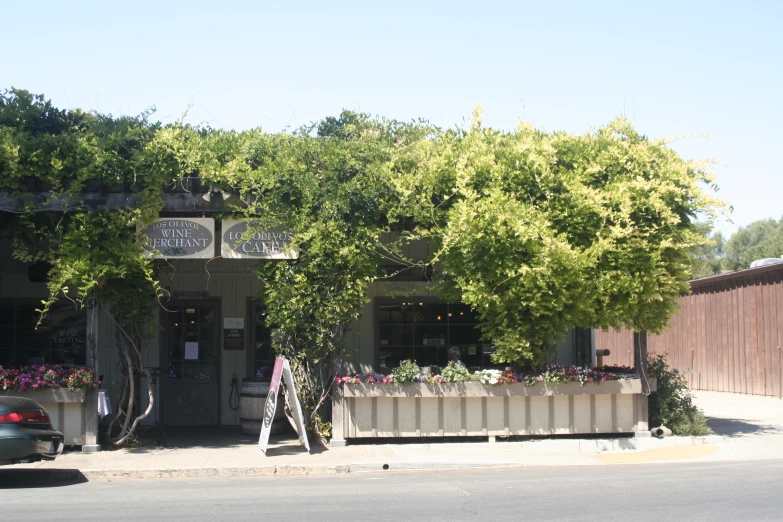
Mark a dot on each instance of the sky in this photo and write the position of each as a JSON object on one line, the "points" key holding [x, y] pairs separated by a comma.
{"points": [[711, 71]]}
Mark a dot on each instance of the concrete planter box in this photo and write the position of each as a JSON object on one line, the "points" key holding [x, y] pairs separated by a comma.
{"points": [[75, 413], [474, 409]]}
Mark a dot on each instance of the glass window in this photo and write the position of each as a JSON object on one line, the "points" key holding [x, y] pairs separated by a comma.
{"points": [[396, 335], [432, 334], [397, 313], [6, 315], [462, 314], [59, 338], [6, 338], [191, 324], [423, 330], [206, 316], [431, 313], [30, 337], [392, 356]]}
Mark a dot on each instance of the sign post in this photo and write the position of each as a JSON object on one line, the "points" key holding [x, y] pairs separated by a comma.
{"points": [[282, 368]]}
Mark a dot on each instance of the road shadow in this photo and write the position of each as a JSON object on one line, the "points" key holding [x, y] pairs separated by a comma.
{"points": [[740, 427], [39, 478]]}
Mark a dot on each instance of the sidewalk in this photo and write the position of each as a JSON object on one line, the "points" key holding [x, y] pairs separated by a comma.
{"points": [[751, 425], [746, 427]]}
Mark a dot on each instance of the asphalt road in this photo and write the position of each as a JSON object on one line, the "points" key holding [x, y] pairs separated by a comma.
{"points": [[658, 492]]}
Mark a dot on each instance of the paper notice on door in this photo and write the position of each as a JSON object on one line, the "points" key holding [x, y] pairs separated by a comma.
{"points": [[191, 351]]}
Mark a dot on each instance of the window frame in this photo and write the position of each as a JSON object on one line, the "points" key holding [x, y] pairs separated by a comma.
{"points": [[378, 323], [15, 350]]}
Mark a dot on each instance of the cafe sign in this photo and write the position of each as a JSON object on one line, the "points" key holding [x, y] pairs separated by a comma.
{"points": [[180, 238], [268, 243]]}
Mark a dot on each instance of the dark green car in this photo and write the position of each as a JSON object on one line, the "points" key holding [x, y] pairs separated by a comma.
{"points": [[26, 432]]}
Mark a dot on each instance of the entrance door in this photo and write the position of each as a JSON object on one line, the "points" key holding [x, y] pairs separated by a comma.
{"points": [[190, 372]]}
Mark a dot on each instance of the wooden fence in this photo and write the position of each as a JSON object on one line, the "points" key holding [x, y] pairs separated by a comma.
{"points": [[725, 337]]}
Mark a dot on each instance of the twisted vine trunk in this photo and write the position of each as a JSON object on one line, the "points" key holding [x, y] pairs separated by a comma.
{"points": [[132, 360], [313, 381]]}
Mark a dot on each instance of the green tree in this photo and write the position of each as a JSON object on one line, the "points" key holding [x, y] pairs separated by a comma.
{"points": [[759, 240], [543, 232], [707, 258]]}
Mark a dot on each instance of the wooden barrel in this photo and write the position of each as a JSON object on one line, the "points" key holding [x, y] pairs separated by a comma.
{"points": [[252, 398]]}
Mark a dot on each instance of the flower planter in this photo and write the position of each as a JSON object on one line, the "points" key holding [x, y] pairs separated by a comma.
{"points": [[475, 409], [75, 413]]}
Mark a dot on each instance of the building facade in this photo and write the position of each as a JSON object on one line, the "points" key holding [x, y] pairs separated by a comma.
{"points": [[213, 328]]}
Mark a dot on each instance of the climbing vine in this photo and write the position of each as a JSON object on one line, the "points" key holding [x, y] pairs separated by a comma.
{"points": [[538, 232], [92, 253]]}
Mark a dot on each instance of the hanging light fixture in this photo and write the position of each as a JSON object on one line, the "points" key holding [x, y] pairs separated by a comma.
{"points": [[214, 189]]}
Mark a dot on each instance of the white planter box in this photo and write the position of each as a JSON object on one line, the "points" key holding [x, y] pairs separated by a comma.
{"points": [[50, 395], [474, 409], [75, 413]]}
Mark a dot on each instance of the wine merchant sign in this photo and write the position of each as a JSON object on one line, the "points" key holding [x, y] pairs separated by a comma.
{"points": [[180, 238], [271, 243]]}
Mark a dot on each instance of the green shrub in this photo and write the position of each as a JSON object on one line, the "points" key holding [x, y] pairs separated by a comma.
{"points": [[454, 372], [671, 404], [406, 373]]}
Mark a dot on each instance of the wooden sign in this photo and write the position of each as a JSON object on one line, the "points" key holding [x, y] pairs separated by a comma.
{"points": [[273, 243], [296, 408], [180, 238], [282, 368], [271, 404]]}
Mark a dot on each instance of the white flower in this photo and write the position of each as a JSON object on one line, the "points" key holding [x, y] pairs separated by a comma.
{"points": [[489, 376]]}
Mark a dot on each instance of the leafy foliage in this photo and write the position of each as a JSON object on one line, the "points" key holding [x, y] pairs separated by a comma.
{"points": [[708, 257], [454, 372], [552, 374], [61, 150], [406, 373], [94, 255], [759, 240], [670, 405], [538, 232], [543, 232]]}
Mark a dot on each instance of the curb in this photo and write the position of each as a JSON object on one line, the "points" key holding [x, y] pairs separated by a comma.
{"points": [[258, 471], [374, 467], [641, 444], [11, 477]]}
